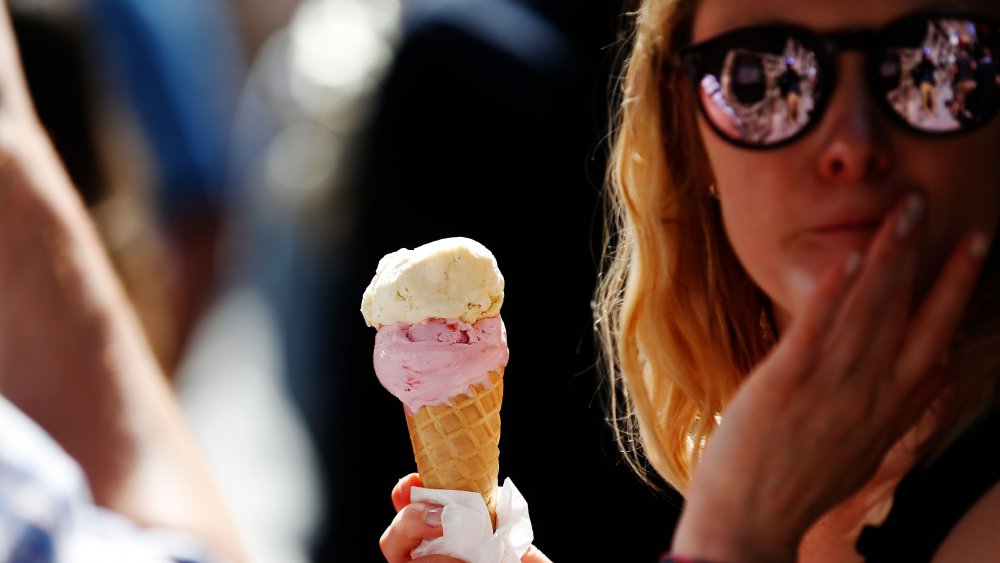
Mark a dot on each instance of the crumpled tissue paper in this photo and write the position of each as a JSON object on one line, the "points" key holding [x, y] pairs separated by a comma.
{"points": [[468, 532]]}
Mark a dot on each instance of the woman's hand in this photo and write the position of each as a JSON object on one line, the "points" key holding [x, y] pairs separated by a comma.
{"points": [[814, 420], [415, 522]]}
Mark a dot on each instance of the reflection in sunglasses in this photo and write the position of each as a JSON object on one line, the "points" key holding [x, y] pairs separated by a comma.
{"points": [[771, 93], [940, 88], [763, 86], [719, 111]]}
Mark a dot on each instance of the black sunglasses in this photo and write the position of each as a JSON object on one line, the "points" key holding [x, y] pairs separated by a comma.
{"points": [[765, 86]]}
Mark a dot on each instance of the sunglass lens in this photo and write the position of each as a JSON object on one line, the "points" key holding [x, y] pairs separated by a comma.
{"points": [[939, 75], [760, 89]]}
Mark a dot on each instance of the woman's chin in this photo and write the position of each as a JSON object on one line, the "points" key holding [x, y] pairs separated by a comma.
{"points": [[797, 287]]}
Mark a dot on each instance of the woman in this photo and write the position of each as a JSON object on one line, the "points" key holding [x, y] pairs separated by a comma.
{"points": [[802, 314]]}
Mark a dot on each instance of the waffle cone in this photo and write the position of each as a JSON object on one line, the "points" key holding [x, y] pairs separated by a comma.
{"points": [[456, 443]]}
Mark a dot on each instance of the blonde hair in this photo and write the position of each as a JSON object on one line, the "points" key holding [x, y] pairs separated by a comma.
{"points": [[680, 323]]}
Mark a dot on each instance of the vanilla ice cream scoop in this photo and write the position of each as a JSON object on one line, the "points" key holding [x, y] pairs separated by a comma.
{"points": [[451, 278]]}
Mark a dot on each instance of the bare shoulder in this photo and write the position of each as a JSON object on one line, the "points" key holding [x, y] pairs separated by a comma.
{"points": [[976, 537]]}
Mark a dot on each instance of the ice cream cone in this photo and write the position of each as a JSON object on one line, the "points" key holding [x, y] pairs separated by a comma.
{"points": [[441, 348], [456, 443]]}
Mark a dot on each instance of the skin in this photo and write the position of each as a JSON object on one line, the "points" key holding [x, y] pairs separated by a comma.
{"points": [[864, 310], [72, 354]]}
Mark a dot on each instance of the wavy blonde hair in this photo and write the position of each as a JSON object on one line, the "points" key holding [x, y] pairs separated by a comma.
{"points": [[680, 322]]}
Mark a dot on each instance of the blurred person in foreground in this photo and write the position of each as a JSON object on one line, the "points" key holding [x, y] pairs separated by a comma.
{"points": [[73, 359], [104, 116], [100, 149], [800, 325]]}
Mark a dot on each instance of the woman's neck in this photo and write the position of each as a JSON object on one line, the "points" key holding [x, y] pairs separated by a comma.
{"points": [[833, 536]]}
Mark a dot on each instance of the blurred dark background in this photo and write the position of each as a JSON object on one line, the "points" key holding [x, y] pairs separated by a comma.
{"points": [[490, 125]]}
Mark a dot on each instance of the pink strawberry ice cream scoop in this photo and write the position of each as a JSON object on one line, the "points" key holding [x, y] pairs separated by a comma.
{"points": [[427, 363]]}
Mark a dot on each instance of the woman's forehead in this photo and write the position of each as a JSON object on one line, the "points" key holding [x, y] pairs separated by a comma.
{"points": [[713, 17]]}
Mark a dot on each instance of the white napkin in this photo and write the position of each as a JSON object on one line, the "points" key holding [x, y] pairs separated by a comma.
{"points": [[468, 532]]}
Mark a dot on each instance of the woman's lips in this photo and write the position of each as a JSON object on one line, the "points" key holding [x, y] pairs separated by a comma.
{"points": [[854, 235], [871, 225]]}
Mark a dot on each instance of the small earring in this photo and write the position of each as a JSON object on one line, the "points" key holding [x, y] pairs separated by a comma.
{"points": [[713, 191]]}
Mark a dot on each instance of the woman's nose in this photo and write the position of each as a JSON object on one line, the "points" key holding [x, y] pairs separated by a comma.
{"points": [[855, 146]]}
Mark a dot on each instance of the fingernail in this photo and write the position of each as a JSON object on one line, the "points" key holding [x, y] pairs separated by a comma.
{"points": [[853, 263], [979, 247], [911, 213], [432, 516]]}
